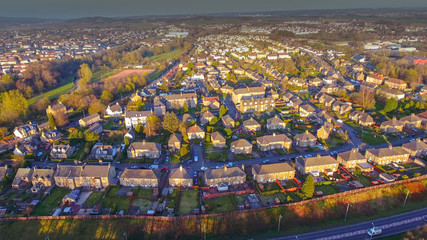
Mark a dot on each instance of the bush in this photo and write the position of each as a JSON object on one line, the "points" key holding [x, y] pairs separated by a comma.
{"points": [[405, 177]]}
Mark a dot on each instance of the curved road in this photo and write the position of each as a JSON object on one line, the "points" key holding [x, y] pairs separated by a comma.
{"points": [[390, 226]]}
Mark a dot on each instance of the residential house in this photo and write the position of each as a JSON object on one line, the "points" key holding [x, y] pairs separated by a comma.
{"points": [[58, 108], [305, 139], [361, 118], [241, 146], [297, 82], [61, 151], [306, 110], [41, 178], [227, 121], [26, 130], [144, 149], [218, 140], [327, 100], [114, 110], [28, 147], [329, 88], [105, 152], [195, 132], [416, 148], [66, 175], [256, 104], [247, 93], [341, 107], [212, 102], [187, 118], [224, 176], [146, 178], [96, 176], [135, 97], [387, 155], [206, 117], [22, 177], [275, 141], [411, 121], [88, 120], [159, 107], [50, 136], [270, 172], [174, 142], [395, 83], [375, 79], [325, 130], [95, 128], [132, 119], [275, 123], [391, 93], [391, 126], [351, 159], [251, 125], [316, 165], [177, 101], [180, 177]]}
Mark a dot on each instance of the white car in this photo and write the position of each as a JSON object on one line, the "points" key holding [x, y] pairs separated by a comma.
{"points": [[374, 231]]}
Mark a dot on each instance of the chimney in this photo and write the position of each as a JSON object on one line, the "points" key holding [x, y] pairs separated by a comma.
{"points": [[306, 131], [225, 167], [418, 139], [180, 168], [353, 150], [274, 134], [390, 146], [318, 155], [243, 167]]}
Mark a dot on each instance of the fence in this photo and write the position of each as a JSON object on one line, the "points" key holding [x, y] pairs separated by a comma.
{"points": [[192, 217]]}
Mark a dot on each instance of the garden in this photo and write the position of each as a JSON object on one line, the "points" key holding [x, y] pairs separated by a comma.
{"points": [[221, 204]]}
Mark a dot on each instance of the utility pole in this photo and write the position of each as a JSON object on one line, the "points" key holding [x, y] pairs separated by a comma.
{"points": [[83, 111], [346, 212], [278, 226], [125, 235], [406, 198]]}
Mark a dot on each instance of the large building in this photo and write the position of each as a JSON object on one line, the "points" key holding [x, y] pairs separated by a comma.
{"points": [[139, 178], [177, 101], [246, 93], [226, 175], [256, 104], [316, 165], [132, 119], [271, 172], [387, 155]]}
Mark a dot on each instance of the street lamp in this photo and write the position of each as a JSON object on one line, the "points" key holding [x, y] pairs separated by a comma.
{"points": [[346, 212], [125, 235], [406, 198], [278, 226]]}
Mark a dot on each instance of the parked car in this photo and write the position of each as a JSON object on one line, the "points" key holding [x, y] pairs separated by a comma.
{"points": [[266, 161]]}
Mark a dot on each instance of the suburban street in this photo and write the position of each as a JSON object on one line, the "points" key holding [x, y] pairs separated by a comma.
{"points": [[390, 226]]}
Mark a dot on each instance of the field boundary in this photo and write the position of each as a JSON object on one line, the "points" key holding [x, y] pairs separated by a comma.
{"points": [[179, 218]]}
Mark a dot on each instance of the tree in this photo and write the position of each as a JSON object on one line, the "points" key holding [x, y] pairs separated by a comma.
{"points": [[61, 118], [222, 111], [170, 122], [308, 187], [85, 75], [413, 78], [96, 107], [390, 105], [184, 150], [365, 98], [106, 97], [127, 142], [75, 134], [214, 120], [42, 104], [185, 108], [91, 136], [3, 132], [153, 124], [12, 105], [228, 131], [139, 129], [51, 120]]}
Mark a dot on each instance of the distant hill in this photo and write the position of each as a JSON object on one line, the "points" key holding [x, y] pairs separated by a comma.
{"points": [[7, 22]]}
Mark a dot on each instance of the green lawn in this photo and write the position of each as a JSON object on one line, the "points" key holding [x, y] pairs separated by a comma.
{"points": [[143, 204], [272, 197], [366, 181], [54, 93], [112, 191], [154, 75], [273, 186], [220, 156], [144, 193], [51, 201], [221, 204], [165, 56], [94, 198], [327, 189], [188, 201], [116, 204]]}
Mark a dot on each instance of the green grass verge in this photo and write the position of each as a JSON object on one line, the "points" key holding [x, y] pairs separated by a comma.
{"points": [[54, 93]]}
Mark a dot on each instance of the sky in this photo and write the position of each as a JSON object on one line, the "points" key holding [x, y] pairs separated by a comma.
{"points": [[122, 8]]}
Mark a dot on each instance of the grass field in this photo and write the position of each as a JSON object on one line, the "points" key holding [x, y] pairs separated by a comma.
{"points": [[154, 75], [51, 201], [144, 193], [188, 201], [221, 204], [164, 56], [103, 74], [54, 93], [94, 198], [327, 189], [143, 204]]}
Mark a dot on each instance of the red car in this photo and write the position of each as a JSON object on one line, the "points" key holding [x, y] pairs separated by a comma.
{"points": [[165, 168]]}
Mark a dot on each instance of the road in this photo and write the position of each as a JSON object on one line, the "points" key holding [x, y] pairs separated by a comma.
{"points": [[390, 226]]}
